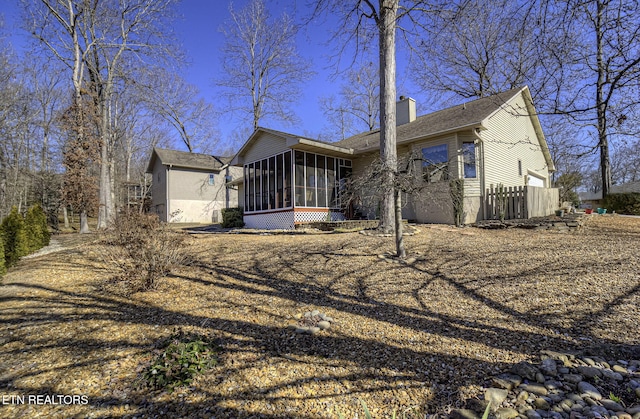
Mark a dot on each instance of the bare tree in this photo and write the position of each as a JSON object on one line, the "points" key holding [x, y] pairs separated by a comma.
{"points": [[356, 24], [180, 105], [477, 49], [358, 107], [605, 68], [263, 70], [95, 40]]}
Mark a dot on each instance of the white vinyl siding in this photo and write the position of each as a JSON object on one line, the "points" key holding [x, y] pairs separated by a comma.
{"points": [[266, 145], [511, 137]]}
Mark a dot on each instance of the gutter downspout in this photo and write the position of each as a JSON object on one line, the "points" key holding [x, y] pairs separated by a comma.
{"points": [[476, 134], [169, 167]]}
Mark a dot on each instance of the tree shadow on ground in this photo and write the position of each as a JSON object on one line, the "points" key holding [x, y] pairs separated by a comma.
{"points": [[378, 364]]}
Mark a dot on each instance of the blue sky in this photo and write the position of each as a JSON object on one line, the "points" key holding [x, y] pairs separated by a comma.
{"points": [[202, 41]]}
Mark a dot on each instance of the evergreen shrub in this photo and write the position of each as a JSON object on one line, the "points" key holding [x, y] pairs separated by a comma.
{"points": [[232, 217], [14, 234]]}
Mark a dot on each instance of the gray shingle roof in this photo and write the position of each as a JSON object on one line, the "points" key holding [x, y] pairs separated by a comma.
{"points": [[449, 119], [188, 160]]}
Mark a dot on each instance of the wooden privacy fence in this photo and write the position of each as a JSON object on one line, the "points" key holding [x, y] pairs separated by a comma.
{"points": [[514, 202]]}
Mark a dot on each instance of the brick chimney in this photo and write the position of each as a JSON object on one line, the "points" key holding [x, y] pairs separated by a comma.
{"points": [[405, 110]]}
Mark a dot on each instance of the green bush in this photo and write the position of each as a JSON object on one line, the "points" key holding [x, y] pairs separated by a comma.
{"points": [[182, 358], [14, 234], [38, 235], [623, 203], [232, 217], [143, 249]]}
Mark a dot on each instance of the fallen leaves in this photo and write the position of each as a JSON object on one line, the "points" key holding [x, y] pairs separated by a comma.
{"points": [[405, 336]]}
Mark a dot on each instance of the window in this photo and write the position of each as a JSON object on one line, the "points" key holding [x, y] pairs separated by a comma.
{"points": [[435, 163], [312, 180], [469, 160], [299, 176], [293, 178], [211, 179]]}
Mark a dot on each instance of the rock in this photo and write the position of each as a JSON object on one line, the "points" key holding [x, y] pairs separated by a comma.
{"points": [[634, 409], [575, 398], [532, 414], [556, 397], [549, 367], [302, 329], [566, 405], [324, 324], [536, 389], [611, 405], [525, 370], [638, 392], [557, 356], [506, 380], [541, 403], [506, 413], [553, 385], [495, 395], [464, 414], [601, 410], [329, 319], [612, 375], [590, 371], [573, 378], [314, 329], [589, 361], [620, 369], [297, 316], [315, 312], [588, 390], [540, 377], [623, 415]]}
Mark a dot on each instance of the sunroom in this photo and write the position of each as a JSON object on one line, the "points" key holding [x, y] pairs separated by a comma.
{"points": [[290, 180]]}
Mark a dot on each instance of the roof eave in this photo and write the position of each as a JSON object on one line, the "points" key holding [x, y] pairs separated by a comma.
{"points": [[426, 137], [306, 144]]}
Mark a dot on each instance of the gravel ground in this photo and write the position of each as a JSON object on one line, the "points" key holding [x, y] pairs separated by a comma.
{"points": [[420, 337]]}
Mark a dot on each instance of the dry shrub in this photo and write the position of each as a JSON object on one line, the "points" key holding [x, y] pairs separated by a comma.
{"points": [[143, 249]]}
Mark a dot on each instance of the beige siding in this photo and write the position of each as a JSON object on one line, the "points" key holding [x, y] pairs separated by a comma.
{"points": [[511, 137], [194, 200], [266, 145], [159, 190], [433, 203]]}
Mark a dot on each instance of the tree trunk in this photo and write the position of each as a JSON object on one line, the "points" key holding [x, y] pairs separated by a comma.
{"points": [[601, 105], [65, 215], [84, 223], [401, 252], [388, 153]]}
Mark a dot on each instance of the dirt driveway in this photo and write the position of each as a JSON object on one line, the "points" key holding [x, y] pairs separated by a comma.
{"points": [[421, 336]]}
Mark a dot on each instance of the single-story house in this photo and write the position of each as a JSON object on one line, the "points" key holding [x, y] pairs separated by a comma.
{"points": [[289, 179], [594, 199], [191, 187]]}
